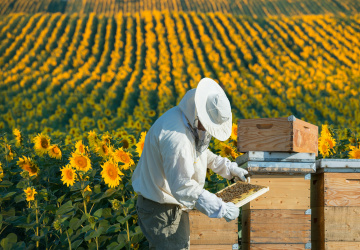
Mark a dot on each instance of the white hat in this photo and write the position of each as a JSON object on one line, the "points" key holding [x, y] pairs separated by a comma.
{"points": [[213, 109]]}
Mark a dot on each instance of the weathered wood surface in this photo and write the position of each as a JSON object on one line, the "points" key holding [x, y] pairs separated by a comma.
{"points": [[286, 192], [317, 190], [211, 247], [210, 231], [276, 226], [317, 227], [342, 189], [339, 245], [249, 246], [342, 224], [305, 137], [277, 134]]}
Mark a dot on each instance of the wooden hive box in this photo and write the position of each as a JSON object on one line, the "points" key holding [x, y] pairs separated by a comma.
{"points": [[285, 134], [281, 218], [212, 233], [335, 204]]}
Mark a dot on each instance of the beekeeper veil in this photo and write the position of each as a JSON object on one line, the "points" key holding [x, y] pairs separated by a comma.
{"points": [[212, 109]]}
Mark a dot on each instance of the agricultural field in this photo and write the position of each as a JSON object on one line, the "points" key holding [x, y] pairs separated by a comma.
{"points": [[81, 84]]}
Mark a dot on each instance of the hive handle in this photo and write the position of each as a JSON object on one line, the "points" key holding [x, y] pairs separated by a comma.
{"points": [[353, 180], [306, 128], [264, 126]]}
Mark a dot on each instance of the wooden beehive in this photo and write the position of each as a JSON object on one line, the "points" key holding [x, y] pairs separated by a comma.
{"points": [[285, 134], [335, 204], [281, 218], [212, 233]]}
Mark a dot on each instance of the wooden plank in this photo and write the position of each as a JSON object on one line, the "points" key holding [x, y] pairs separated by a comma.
{"points": [[336, 245], [342, 224], [279, 226], [247, 246], [317, 227], [338, 163], [264, 134], [317, 190], [211, 247], [305, 137], [286, 192], [208, 231], [277, 134], [245, 225], [342, 189]]}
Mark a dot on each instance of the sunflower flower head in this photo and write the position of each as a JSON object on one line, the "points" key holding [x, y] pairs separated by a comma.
{"points": [[27, 164], [140, 144], [116, 205], [103, 149], [111, 174], [18, 137], [9, 154], [233, 135], [42, 144], [54, 152], [30, 193], [121, 156], [354, 153], [106, 138], [68, 175], [326, 142], [80, 148], [87, 188], [227, 150], [93, 138], [125, 141], [80, 162]]}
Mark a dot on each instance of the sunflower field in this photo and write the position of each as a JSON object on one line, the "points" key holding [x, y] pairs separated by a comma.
{"points": [[81, 82]]}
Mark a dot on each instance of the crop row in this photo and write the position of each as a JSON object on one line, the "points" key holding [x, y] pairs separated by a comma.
{"points": [[71, 72], [260, 8]]}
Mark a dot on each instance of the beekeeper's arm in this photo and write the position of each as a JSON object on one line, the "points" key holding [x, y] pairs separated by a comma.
{"points": [[224, 167], [178, 163]]}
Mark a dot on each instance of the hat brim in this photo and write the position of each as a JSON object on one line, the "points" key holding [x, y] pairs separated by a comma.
{"points": [[205, 88]]}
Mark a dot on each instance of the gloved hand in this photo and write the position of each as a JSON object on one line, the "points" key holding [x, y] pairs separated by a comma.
{"points": [[238, 172], [231, 211], [210, 205]]}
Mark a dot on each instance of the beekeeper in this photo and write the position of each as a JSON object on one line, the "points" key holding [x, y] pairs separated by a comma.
{"points": [[170, 176]]}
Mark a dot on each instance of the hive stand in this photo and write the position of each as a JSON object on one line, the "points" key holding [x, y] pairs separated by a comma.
{"points": [[335, 204], [281, 218]]}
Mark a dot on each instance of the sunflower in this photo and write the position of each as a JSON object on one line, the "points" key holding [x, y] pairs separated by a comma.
{"points": [[30, 193], [121, 156], [151, 113], [80, 162], [324, 148], [101, 125], [18, 137], [126, 142], [55, 152], [111, 174], [140, 144], [80, 148], [9, 154], [106, 138], [1, 172], [103, 150], [233, 135], [42, 143], [29, 165], [68, 175], [354, 153], [87, 189], [227, 150], [92, 137]]}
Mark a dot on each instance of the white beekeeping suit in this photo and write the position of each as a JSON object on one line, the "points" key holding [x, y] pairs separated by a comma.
{"points": [[172, 168]]}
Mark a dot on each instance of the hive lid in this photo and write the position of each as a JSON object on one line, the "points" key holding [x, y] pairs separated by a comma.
{"points": [[275, 157], [250, 192], [279, 167], [338, 165]]}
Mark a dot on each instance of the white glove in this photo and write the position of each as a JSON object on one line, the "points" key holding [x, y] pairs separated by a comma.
{"points": [[238, 172], [210, 205], [232, 211]]}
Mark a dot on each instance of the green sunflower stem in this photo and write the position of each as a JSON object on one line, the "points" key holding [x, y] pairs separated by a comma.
{"points": [[127, 223], [37, 223], [67, 234]]}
